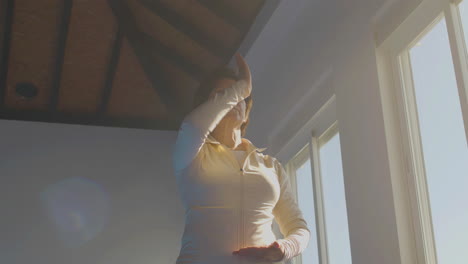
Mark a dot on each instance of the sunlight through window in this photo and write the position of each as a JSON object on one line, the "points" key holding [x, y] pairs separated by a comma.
{"points": [[305, 197], [336, 217], [444, 142]]}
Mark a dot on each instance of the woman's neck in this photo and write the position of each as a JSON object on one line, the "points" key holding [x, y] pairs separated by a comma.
{"points": [[232, 139]]}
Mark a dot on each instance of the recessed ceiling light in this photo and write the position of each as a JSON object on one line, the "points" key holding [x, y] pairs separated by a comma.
{"points": [[26, 90]]}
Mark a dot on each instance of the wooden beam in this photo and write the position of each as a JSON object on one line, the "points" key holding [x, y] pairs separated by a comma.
{"points": [[7, 11], [86, 119], [155, 74], [63, 34], [128, 23], [217, 7], [143, 46], [150, 44], [113, 62], [184, 26]]}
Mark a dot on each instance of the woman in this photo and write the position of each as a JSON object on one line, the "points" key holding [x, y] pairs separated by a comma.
{"points": [[230, 190]]}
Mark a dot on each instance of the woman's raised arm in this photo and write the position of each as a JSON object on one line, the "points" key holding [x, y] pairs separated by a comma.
{"points": [[202, 120]]}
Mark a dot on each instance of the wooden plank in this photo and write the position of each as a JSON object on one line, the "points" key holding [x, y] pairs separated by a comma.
{"points": [[63, 33], [111, 73], [33, 51], [253, 14], [247, 10], [183, 25], [91, 36], [183, 87], [224, 11], [156, 27], [133, 94], [145, 43], [146, 50], [203, 18], [6, 12]]}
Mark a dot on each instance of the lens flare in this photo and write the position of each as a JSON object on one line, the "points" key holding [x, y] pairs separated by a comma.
{"points": [[78, 207]]}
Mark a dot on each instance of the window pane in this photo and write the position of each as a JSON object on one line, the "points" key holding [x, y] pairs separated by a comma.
{"points": [[464, 17], [444, 143], [336, 217], [305, 197]]}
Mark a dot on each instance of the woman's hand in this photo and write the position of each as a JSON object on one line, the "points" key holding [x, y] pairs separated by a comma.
{"points": [[273, 252], [244, 72]]}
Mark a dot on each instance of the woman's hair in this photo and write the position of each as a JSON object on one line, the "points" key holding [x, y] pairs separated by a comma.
{"points": [[208, 84]]}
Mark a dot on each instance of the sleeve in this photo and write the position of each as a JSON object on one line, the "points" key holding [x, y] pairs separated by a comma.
{"points": [[289, 217], [201, 121]]}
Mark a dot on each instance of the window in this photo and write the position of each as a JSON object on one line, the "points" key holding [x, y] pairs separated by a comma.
{"points": [[317, 173], [443, 140], [305, 199], [334, 201], [429, 66]]}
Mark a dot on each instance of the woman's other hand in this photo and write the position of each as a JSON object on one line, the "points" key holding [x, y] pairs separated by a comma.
{"points": [[273, 252], [244, 72]]}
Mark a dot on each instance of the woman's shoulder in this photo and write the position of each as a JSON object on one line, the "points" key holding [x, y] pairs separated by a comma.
{"points": [[267, 156], [268, 160]]}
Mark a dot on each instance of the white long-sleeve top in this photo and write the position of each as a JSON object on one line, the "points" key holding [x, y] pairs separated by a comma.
{"points": [[231, 205]]}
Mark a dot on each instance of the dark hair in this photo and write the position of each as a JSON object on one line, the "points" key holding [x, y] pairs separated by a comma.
{"points": [[208, 84]]}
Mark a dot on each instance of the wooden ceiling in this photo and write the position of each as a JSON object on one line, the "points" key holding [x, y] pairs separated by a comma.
{"points": [[121, 63]]}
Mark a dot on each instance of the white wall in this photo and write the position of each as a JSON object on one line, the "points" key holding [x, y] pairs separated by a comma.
{"points": [[140, 222]]}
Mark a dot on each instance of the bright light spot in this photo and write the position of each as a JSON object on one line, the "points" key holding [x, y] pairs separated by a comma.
{"points": [[78, 207]]}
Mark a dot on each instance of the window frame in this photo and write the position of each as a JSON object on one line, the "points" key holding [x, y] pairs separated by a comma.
{"points": [[321, 128], [400, 111]]}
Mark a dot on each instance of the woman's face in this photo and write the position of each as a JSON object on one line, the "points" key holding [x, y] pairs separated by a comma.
{"points": [[237, 114]]}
